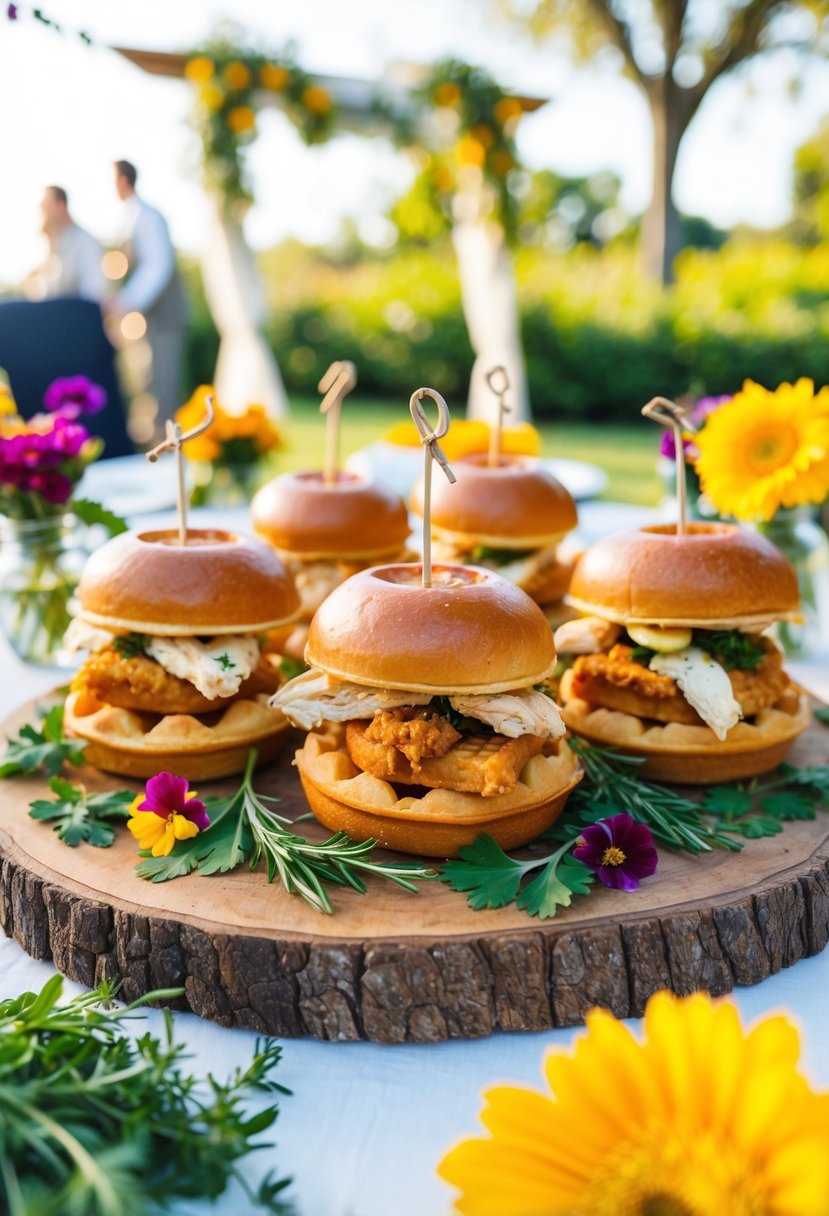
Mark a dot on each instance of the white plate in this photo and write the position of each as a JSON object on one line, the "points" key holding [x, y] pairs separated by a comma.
{"points": [[130, 485], [399, 467]]}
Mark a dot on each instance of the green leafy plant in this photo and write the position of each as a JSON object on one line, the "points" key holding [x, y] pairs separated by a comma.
{"points": [[244, 829], [81, 816], [98, 1122], [130, 645], [91, 513], [731, 648], [43, 750], [822, 714], [493, 879]]}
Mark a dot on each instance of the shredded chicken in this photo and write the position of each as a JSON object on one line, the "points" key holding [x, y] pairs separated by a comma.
{"points": [[705, 685], [417, 733], [526, 712], [587, 635], [80, 635], [314, 697], [216, 668]]}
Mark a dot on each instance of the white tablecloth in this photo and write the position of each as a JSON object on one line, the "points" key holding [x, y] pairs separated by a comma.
{"points": [[366, 1124]]}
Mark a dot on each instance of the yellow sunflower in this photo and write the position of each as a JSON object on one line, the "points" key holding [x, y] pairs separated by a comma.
{"points": [[700, 1119], [764, 450]]}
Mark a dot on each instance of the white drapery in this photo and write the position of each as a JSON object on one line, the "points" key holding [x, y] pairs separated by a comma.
{"points": [[490, 306], [246, 370]]}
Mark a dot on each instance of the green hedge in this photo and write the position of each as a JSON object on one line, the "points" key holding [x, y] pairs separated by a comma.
{"points": [[599, 342]]}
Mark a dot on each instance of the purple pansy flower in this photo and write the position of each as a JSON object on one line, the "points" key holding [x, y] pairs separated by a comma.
{"points": [[165, 795], [11, 12], [72, 396], [703, 407], [619, 850]]}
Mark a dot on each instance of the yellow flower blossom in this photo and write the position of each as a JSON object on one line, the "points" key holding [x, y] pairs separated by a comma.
{"points": [[212, 97], [764, 450], [470, 436], [157, 834], [253, 423], [447, 94], [8, 406], [470, 151], [507, 110], [237, 75], [203, 446], [274, 77], [316, 100], [700, 1119], [199, 70], [241, 119]]}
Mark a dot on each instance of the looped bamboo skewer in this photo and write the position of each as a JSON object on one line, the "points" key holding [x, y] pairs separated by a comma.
{"points": [[497, 373], [336, 384], [432, 450], [668, 413], [173, 443]]}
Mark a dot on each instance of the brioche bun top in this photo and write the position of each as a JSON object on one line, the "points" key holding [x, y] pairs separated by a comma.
{"points": [[716, 576], [471, 631], [219, 582], [516, 504], [353, 518]]}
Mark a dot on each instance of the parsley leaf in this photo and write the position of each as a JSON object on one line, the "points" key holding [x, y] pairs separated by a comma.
{"points": [[90, 513], [731, 648], [130, 645], [497, 557], [44, 749], [291, 668], [225, 662], [81, 816], [492, 879]]}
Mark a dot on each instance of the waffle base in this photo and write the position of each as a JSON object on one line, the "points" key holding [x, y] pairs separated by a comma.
{"points": [[682, 754], [117, 741], [440, 823]]}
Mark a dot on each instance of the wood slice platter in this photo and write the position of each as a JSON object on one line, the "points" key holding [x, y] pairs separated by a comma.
{"points": [[392, 966]]}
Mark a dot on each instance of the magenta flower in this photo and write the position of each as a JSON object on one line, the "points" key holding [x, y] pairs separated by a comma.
{"points": [[72, 396], [53, 486], [11, 12], [619, 851], [703, 407]]}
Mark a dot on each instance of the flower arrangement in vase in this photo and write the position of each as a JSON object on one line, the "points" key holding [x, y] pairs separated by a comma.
{"points": [[227, 457]]}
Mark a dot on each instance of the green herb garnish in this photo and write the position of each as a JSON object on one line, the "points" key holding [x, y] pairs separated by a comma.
{"points": [[492, 879], [732, 649], [466, 725], [498, 557], [90, 513], [611, 785], [130, 645], [291, 668], [244, 829], [98, 1121], [45, 749], [79, 815], [225, 662]]}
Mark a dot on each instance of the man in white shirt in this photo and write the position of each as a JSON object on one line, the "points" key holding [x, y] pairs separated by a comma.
{"points": [[73, 267], [155, 290]]}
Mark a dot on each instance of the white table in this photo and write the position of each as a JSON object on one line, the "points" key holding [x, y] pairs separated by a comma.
{"points": [[366, 1124]]}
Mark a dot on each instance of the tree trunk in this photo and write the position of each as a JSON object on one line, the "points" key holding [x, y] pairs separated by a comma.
{"points": [[670, 108]]}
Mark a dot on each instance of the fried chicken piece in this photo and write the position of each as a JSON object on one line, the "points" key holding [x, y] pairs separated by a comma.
{"points": [[418, 733], [141, 684], [615, 681], [476, 764], [549, 584]]}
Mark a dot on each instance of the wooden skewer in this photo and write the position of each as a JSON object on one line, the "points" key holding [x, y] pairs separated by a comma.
{"points": [[498, 381], [669, 414], [337, 382], [431, 451], [173, 443]]}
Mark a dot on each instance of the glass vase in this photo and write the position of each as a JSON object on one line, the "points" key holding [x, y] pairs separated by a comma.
{"points": [[40, 565], [226, 484], [799, 536]]}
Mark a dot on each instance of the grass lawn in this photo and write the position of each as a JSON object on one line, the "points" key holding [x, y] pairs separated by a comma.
{"points": [[626, 453]]}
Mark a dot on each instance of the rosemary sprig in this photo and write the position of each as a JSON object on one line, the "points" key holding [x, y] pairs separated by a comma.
{"points": [[611, 785], [100, 1121], [244, 829]]}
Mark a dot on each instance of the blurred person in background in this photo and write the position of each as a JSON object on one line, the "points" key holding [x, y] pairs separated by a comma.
{"points": [[153, 296], [73, 267]]}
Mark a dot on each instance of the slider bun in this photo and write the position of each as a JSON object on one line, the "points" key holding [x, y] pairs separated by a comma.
{"points": [[471, 631], [515, 505], [717, 576], [218, 583], [302, 516]]}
